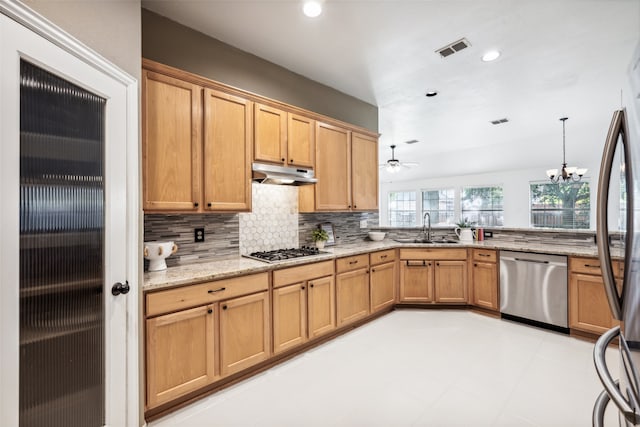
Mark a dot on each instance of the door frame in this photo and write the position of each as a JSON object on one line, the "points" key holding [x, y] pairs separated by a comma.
{"points": [[8, 301]]}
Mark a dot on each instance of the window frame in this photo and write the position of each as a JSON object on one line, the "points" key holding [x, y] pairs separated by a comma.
{"points": [[477, 223], [585, 212]]}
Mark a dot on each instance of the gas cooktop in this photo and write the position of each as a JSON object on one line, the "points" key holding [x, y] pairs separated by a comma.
{"points": [[285, 254]]}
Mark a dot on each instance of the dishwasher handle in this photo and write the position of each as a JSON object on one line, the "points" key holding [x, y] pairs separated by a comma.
{"points": [[532, 260]]}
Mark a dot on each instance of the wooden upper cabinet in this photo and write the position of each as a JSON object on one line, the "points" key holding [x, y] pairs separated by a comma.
{"points": [[301, 141], [270, 140], [364, 172], [283, 138], [228, 136], [333, 168], [171, 143]]}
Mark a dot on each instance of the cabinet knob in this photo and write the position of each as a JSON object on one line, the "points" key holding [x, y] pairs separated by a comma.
{"points": [[290, 160], [349, 206], [224, 307], [303, 288], [209, 204], [282, 159], [210, 311], [196, 204], [475, 265], [355, 207], [437, 263], [373, 270], [311, 285]]}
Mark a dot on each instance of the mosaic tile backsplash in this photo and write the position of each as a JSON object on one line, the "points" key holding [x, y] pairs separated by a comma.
{"points": [[345, 224], [273, 221], [222, 237]]}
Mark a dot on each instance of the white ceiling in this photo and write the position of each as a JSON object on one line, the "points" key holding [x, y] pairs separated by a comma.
{"points": [[559, 58]]}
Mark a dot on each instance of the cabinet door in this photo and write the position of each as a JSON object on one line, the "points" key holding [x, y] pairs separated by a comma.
{"points": [[228, 135], [244, 332], [485, 285], [321, 295], [588, 307], [301, 144], [270, 140], [416, 281], [383, 286], [181, 353], [364, 172], [171, 143], [450, 281], [352, 296], [333, 168], [289, 317]]}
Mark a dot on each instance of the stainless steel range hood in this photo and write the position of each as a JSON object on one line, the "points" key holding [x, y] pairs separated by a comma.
{"points": [[282, 175]]}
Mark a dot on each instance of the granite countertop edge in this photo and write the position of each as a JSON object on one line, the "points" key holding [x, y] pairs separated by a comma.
{"points": [[238, 265]]}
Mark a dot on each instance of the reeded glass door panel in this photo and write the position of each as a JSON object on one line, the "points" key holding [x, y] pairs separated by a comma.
{"points": [[62, 368]]}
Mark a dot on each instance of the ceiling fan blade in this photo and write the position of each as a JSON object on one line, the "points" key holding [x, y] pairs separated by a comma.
{"points": [[410, 163]]}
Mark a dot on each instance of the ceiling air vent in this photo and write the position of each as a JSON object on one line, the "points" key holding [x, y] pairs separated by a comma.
{"points": [[454, 47], [499, 121], [411, 141]]}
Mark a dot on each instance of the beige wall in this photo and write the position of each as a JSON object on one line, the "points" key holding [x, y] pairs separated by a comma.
{"points": [[173, 44], [110, 27]]}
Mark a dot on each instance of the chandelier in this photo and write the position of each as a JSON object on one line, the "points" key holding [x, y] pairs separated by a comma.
{"points": [[567, 173]]}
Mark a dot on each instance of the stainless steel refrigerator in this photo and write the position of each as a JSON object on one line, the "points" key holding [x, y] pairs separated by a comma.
{"points": [[621, 156]]}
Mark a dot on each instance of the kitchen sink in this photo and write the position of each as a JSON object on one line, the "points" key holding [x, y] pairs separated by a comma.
{"points": [[426, 241]]}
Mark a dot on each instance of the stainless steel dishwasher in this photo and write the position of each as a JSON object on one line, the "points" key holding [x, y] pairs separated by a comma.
{"points": [[533, 288]]}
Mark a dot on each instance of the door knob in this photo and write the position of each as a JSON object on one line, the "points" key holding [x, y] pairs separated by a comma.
{"points": [[120, 288]]}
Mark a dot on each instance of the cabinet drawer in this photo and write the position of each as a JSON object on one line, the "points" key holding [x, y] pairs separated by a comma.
{"points": [[382, 256], [302, 273], [485, 255], [433, 253], [204, 293], [585, 265], [352, 263]]}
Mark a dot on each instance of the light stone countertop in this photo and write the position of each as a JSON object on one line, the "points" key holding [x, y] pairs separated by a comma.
{"points": [[235, 266]]}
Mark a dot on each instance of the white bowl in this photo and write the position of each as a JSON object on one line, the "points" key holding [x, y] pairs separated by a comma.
{"points": [[376, 235]]}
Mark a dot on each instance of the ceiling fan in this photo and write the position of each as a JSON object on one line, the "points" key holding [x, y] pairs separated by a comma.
{"points": [[394, 165]]}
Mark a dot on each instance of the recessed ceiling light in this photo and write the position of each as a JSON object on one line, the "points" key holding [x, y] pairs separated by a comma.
{"points": [[492, 55], [312, 8], [431, 93]]}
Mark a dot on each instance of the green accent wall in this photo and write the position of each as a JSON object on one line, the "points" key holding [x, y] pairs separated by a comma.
{"points": [[171, 43]]}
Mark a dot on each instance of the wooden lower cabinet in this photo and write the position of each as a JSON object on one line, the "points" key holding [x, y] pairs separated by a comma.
{"points": [[181, 353], [321, 306], [289, 317], [485, 285], [588, 306], [450, 282], [416, 281], [352, 295], [383, 286], [244, 332]]}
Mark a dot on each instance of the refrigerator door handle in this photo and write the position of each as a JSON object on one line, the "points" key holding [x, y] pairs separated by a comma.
{"points": [[610, 385], [616, 129], [600, 406]]}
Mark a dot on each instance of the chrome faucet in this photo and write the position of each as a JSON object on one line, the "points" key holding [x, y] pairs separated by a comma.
{"points": [[424, 225]]}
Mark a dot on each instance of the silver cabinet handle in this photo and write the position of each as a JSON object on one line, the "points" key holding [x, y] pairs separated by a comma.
{"points": [[611, 386], [617, 129]]}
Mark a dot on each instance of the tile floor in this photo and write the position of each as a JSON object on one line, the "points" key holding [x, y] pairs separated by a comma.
{"points": [[418, 368]]}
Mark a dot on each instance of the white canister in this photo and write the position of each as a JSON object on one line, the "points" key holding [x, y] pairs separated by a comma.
{"points": [[157, 252], [464, 234]]}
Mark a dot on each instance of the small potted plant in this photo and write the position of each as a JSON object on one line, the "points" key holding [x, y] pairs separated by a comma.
{"points": [[463, 230], [320, 237]]}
